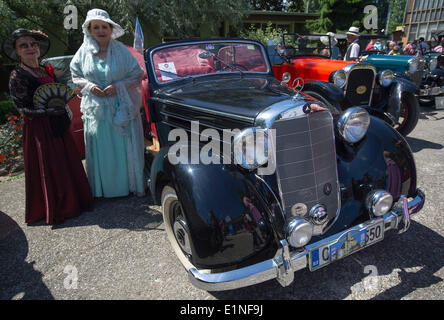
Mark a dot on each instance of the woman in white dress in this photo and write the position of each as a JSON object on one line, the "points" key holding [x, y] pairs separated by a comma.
{"points": [[110, 78]]}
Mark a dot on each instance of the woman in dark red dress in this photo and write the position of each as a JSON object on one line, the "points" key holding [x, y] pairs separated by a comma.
{"points": [[56, 184]]}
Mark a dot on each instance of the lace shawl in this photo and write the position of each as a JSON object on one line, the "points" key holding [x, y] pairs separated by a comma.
{"points": [[122, 70], [125, 73]]}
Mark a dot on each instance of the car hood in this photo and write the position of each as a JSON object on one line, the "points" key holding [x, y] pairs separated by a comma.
{"points": [[315, 68], [397, 63], [234, 96]]}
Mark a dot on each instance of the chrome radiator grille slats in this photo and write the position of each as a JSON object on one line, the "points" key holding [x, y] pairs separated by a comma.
{"points": [[306, 162]]}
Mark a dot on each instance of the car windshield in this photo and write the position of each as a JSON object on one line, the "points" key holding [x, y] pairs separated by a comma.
{"points": [[298, 44], [177, 61]]}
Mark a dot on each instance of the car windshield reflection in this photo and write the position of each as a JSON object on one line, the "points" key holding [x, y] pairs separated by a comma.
{"points": [[307, 45], [174, 62]]}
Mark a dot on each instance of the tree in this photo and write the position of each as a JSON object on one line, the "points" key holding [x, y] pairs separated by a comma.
{"points": [[339, 15], [397, 8], [185, 18], [269, 5], [297, 5], [178, 18]]}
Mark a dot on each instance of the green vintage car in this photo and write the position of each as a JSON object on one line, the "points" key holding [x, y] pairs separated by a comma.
{"points": [[424, 69]]}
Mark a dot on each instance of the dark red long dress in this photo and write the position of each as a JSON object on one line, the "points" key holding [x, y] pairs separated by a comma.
{"points": [[56, 184]]}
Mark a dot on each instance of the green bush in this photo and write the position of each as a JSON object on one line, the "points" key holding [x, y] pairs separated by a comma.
{"points": [[7, 108], [263, 35]]}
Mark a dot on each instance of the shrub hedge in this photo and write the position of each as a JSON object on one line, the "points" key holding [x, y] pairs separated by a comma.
{"points": [[7, 108]]}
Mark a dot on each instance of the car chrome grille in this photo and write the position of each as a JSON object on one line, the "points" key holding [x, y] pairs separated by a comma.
{"points": [[416, 76], [306, 162], [359, 86]]}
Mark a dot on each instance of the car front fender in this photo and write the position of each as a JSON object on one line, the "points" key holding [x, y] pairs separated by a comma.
{"points": [[326, 89], [400, 89], [382, 160], [228, 217]]}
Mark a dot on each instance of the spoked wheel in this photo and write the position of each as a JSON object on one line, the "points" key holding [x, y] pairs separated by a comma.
{"points": [[408, 117], [176, 226]]}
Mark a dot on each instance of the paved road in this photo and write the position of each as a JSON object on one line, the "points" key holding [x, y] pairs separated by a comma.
{"points": [[120, 251]]}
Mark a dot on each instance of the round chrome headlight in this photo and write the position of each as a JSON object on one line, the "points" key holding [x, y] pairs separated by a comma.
{"points": [[299, 232], [250, 148], [433, 63], [353, 124], [379, 202], [386, 78], [339, 77], [413, 65]]}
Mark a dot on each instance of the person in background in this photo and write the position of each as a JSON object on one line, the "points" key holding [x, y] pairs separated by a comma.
{"points": [[110, 81], [395, 51], [410, 48], [56, 185], [439, 47], [370, 46], [354, 48], [377, 45], [423, 47], [390, 46], [335, 53], [330, 42]]}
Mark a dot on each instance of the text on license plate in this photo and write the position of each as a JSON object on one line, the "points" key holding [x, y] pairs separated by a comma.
{"points": [[348, 243]]}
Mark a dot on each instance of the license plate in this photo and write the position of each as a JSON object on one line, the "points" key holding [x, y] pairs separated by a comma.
{"points": [[345, 245], [439, 102]]}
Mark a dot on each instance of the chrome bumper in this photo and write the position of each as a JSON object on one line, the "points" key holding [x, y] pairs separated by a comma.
{"points": [[434, 91], [285, 263]]}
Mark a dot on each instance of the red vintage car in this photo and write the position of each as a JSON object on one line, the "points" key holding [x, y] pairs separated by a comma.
{"points": [[63, 74], [304, 63]]}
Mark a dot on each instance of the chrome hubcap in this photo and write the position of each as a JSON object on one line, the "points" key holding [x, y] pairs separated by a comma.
{"points": [[181, 234]]}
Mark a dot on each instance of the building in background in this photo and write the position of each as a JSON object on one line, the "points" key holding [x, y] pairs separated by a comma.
{"points": [[286, 21], [422, 18]]}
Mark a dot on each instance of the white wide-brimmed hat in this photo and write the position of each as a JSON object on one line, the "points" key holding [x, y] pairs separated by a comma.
{"points": [[99, 14], [333, 40], [354, 31]]}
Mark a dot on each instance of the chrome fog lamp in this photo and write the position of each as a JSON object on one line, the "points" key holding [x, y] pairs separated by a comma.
{"points": [[386, 78], [379, 202], [250, 148], [433, 63], [299, 232], [353, 124], [413, 65], [318, 215], [339, 78]]}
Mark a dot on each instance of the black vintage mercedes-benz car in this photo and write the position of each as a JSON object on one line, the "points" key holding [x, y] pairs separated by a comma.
{"points": [[257, 181]]}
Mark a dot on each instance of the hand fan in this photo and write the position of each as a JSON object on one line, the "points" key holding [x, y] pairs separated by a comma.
{"points": [[52, 95]]}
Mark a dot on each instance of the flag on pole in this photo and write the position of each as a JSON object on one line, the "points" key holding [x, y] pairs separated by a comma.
{"points": [[138, 37]]}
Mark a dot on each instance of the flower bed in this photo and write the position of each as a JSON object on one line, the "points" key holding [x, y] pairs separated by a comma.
{"points": [[11, 154]]}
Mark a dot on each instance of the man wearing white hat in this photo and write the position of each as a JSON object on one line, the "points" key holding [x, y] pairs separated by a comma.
{"points": [[354, 48]]}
